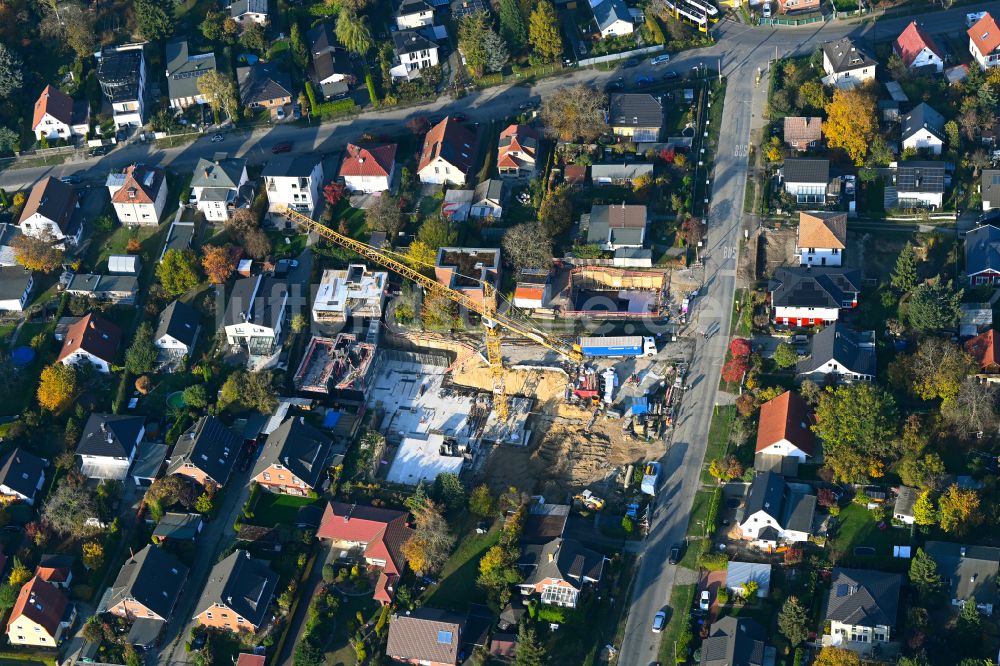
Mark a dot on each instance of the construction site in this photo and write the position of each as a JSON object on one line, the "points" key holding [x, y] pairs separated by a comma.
{"points": [[612, 293], [340, 367]]}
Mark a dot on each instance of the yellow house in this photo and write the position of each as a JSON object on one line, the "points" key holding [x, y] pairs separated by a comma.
{"points": [[40, 616]]}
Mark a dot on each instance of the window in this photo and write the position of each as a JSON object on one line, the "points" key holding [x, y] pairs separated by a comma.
{"points": [[209, 615], [267, 477]]}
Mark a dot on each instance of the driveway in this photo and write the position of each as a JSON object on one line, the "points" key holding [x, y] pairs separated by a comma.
{"points": [[306, 592]]}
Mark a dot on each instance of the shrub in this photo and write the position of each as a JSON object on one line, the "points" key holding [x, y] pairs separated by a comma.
{"points": [[714, 561], [334, 108]]}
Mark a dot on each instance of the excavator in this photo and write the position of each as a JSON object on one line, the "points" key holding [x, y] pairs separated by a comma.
{"points": [[494, 321]]}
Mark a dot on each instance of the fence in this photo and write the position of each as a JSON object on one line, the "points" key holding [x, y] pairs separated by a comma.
{"points": [[799, 21], [45, 152], [587, 62]]}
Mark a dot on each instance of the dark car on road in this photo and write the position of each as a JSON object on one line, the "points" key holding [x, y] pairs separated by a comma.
{"points": [[100, 150], [670, 76], [643, 80], [617, 84], [459, 117], [73, 179], [283, 147], [631, 62], [675, 554]]}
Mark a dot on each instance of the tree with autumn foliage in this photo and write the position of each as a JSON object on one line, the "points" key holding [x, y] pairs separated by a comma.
{"points": [[852, 122], [692, 231], [836, 656], [735, 368], [958, 509], [333, 192], [428, 549], [57, 386], [740, 347], [37, 253], [217, 262], [93, 555], [727, 469]]}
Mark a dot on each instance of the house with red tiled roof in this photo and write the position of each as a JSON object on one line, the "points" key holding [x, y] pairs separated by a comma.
{"points": [[92, 339], [785, 427], [917, 49], [40, 616], [985, 348], [138, 194], [57, 116], [370, 168], [447, 155], [251, 659], [984, 41], [518, 151], [372, 534], [56, 569]]}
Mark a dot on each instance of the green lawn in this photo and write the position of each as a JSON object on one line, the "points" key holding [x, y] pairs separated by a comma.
{"points": [[273, 509], [699, 512], [342, 653], [115, 242], [681, 598], [857, 529], [287, 245], [718, 438], [457, 586]]}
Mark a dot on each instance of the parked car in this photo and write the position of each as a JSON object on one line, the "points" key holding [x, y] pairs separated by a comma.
{"points": [[705, 602], [459, 117], [675, 554], [283, 147], [643, 80], [100, 150], [72, 179], [617, 84], [670, 76], [631, 62], [766, 10], [293, 263], [660, 59], [659, 620], [217, 138]]}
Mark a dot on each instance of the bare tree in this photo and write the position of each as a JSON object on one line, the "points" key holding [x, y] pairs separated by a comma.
{"points": [[573, 113], [974, 409], [528, 246]]}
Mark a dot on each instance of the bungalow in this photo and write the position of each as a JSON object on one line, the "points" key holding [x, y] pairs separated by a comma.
{"points": [[293, 181], [220, 187], [183, 72], [533, 290], [989, 189], [861, 607], [739, 574], [984, 41], [15, 288], [967, 572], [846, 64], [465, 269], [108, 445], [237, 595], [40, 615], [369, 168], [331, 70], [559, 571], [22, 475], [488, 199], [919, 184], [807, 296], [425, 636], [118, 289], [177, 329], [906, 500], [178, 527], [985, 349], [917, 49], [736, 641], [775, 513], [517, 152], [264, 86], [613, 18], [413, 14], [205, 452], [806, 179], [638, 116], [50, 209], [619, 174], [821, 239], [147, 586], [802, 133], [57, 116], [923, 129], [91, 339], [839, 354], [294, 459], [785, 428], [618, 225], [982, 255], [255, 315], [447, 155], [245, 12], [414, 52]]}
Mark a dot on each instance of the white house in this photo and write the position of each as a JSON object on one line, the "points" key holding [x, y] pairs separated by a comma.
{"points": [[923, 129], [293, 181], [15, 288], [122, 75], [139, 194], [255, 315], [177, 329], [57, 116], [840, 354], [906, 499], [91, 340], [808, 296], [50, 210], [862, 608], [919, 184], [806, 179], [984, 41], [821, 239], [355, 292], [414, 52], [220, 187], [613, 18], [775, 513], [246, 12], [488, 199], [412, 14], [108, 445], [369, 168], [449, 149], [22, 475], [785, 427], [917, 49], [533, 289], [846, 64]]}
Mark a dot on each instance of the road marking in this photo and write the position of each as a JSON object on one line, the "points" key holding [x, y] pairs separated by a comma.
{"points": [[741, 150]]}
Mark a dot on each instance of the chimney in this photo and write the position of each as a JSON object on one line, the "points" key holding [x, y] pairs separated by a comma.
{"points": [[552, 557]]}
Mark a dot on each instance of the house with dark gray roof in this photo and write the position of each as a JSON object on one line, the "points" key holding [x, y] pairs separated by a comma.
{"points": [[613, 18], [812, 295], [413, 14], [414, 51], [806, 179], [15, 288], [22, 474], [906, 499], [263, 86], [846, 64], [295, 458], [489, 199], [736, 641], [862, 608], [923, 129], [293, 181], [617, 225], [775, 512], [841, 354], [425, 636], [246, 12], [176, 526], [558, 571], [917, 184], [982, 255], [183, 72], [177, 329], [108, 445], [220, 187], [967, 572], [255, 314], [147, 585], [636, 115], [205, 452], [118, 289], [989, 189], [462, 8], [237, 594]]}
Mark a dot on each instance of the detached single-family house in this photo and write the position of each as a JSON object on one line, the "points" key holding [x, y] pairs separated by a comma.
{"points": [[414, 52], [120, 289], [221, 187], [237, 595], [488, 199], [533, 290], [821, 239], [984, 41], [138, 194], [985, 349], [919, 184], [613, 18], [989, 189], [447, 155], [246, 12], [839, 354], [736, 641], [147, 586], [293, 181], [785, 428], [369, 168], [982, 255], [15, 288], [294, 459], [56, 569], [331, 72], [559, 571], [806, 179], [625, 173], [846, 64], [638, 116], [802, 133], [739, 574], [93, 340], [413, 14], [808, 296], [121, 73], [917, 49], [22, 475], [775, 513], [371, 534], [177, 329], [862, 608], [617, 225], [178, 527], [40, 615], [967, 572], [205, 452], [923, 129], [517, 152], [791, 6], [264, 86], [356, 292], [255, 314], [108, 445], [462, 8], [183, 72], [906, 499], [425, 636], [50, 209], [57, 116]]}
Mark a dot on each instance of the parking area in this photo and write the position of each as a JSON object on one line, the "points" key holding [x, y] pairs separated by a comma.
{"points": [[712, 581]]}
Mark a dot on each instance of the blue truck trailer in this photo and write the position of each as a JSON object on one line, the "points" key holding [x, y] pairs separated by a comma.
{"points": [[626, 345]]}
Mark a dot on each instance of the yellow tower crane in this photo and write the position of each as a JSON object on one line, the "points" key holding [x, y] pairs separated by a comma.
{"points": [[493, 319]]}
